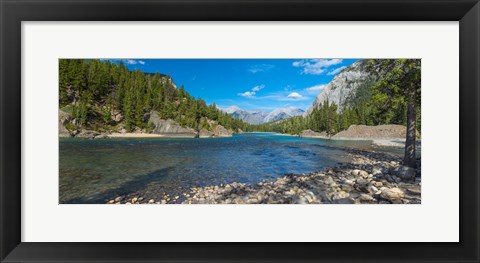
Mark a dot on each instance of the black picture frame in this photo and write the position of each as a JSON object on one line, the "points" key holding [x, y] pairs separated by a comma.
{"points": [[13, 12]]}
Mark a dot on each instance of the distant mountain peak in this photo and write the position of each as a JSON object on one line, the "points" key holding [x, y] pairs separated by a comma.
{"points": [[231, 109], [283, 113], [260, 116]]}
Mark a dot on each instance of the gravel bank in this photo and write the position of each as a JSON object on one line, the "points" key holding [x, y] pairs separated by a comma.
{"points": [[370, 178]]}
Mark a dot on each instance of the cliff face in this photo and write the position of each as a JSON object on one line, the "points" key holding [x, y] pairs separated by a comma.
{"points": [[343, 86], [64, 119], [172, 128]]}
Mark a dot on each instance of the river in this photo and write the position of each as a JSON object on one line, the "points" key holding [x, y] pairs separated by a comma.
{"points": [[94, 171]]}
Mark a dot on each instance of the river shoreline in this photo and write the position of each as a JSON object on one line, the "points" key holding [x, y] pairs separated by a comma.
{"points": [[370, 178], [384, 142]]}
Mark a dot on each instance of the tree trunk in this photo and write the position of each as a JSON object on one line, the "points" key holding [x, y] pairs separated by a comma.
{"points": [[410, 156]]}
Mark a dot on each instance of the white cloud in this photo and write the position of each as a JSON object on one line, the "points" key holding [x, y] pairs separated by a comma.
{"points": [[315, 89], [134, 62], [295, 95], [336, 71], [251, 94], [316, 66], [258, 88], [260, 68], [247, 94]]}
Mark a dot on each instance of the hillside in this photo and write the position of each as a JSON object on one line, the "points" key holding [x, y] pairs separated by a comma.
{"points": [[102, 96], [342, 89], [369, 92]]}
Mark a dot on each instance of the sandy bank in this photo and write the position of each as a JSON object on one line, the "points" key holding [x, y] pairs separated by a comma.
{"points": [[381, 135], [135, 135]]}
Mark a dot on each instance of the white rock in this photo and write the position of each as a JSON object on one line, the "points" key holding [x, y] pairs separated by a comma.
{"points": [[365, 197], [392, 194]]}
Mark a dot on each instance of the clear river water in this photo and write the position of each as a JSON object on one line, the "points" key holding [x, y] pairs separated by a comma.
{"points": [[95, 171]]}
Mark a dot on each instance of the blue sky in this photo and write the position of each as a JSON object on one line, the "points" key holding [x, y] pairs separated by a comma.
{"points": [[251, 84]]}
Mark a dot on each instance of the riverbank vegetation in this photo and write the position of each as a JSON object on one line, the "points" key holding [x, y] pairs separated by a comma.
{"points": [[101, 95], [391, 96], [104, 95], [383, 100]]}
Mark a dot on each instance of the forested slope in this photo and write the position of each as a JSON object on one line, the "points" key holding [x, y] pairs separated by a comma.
{"points": [[106, 96], [369, 92]]}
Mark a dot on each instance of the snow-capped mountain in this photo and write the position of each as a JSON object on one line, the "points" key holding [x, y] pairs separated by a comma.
{"points": [[283, 113], [230, 109], [259, 117]]}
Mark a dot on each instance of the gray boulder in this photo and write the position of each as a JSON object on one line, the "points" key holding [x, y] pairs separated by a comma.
{"points": [[204, 133], [220, 131], [170, 127], [64, 119], [404, 172], [392, 194], [86, 134]]}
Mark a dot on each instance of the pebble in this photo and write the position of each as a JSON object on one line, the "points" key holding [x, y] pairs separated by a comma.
{"points": [[365, 197], [346, 183], [363, 174]]}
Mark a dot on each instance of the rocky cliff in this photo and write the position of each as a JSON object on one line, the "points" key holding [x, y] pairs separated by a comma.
{"points": [[64, 120], [170, 127], [173, 129], [343, 86]]}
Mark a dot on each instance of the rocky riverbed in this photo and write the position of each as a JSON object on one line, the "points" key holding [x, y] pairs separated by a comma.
{"points": [[370, 178]]}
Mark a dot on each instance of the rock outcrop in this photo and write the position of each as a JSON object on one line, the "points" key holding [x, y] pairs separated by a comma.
{"points": [[204, 133], [312, 134], [64, 120], [342, 86], [170, 127], [220, 131], [173, 129], [87, 134], [213, 129]]}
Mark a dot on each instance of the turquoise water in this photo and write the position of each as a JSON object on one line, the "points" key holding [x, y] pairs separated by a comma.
{"points": [[94, 171]]}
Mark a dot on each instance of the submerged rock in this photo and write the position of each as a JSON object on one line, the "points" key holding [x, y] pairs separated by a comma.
{"points": [[330, 186]]}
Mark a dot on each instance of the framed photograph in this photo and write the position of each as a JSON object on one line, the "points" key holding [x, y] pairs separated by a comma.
{"points": [[239, 131]]}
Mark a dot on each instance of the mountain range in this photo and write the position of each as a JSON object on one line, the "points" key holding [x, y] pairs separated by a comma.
{"points": [[259, 116]]}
